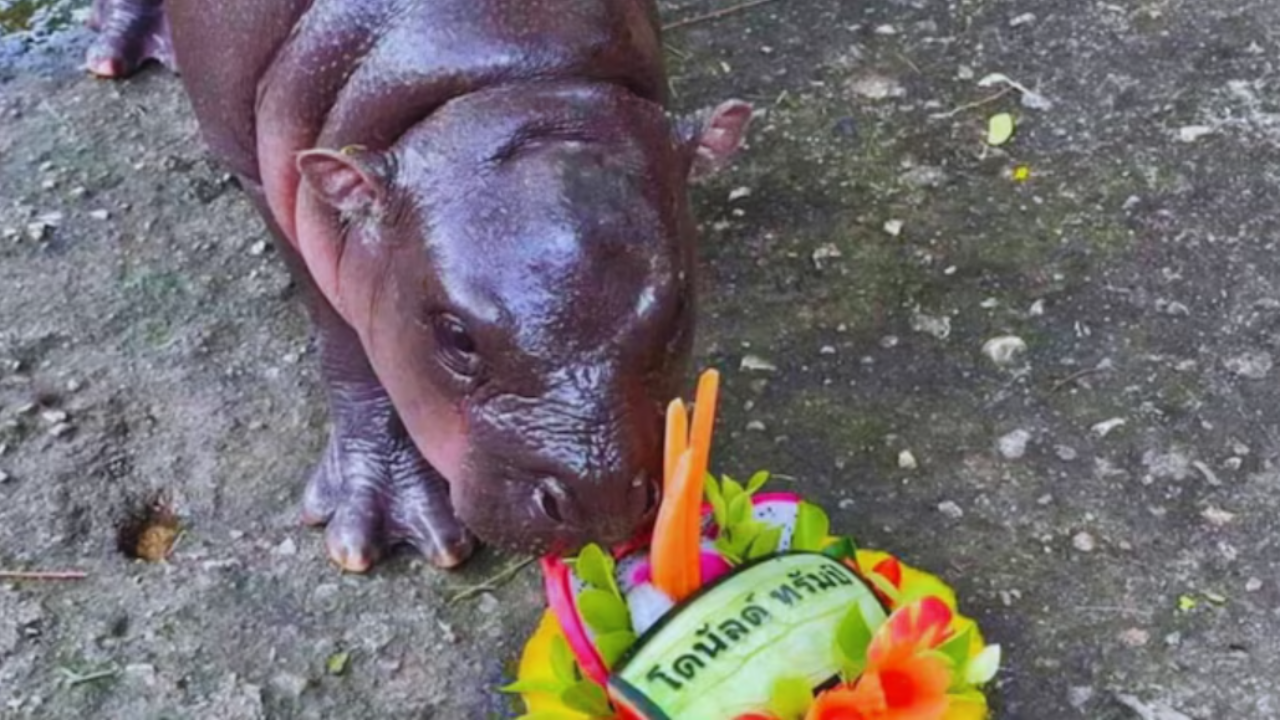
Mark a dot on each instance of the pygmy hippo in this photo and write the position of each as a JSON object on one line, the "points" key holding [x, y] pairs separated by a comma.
{"points": [[486, 203]]}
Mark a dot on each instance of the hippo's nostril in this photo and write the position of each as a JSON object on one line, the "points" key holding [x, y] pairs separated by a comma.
{"points": [[546, 496], [652, 493]]}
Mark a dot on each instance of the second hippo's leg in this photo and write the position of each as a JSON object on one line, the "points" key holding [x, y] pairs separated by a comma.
{"points": [[130, 32]]}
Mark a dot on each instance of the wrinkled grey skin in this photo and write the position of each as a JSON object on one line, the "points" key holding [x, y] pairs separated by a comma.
{"points": [[487, 205]]}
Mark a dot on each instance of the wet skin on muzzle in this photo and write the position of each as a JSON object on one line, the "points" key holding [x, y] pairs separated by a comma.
{"points": [[486, 202]]}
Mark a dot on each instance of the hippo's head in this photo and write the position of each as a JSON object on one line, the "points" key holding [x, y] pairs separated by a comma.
{"points": [[520, 268]]}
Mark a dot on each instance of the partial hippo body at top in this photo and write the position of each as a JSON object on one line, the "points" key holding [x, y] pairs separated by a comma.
{"points": [[486, 201]]}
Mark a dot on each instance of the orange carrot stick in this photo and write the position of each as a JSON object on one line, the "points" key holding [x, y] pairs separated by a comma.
{"points": [[669, 549], [677, 440], [704, 420]]}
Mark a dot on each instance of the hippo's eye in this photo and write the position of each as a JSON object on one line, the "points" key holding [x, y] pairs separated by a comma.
{"points": [[455, 345]]}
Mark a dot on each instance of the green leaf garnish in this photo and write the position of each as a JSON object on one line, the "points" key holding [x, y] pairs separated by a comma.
{"points": [[613, 645], [812, 527], [520, 687], [757, 481], [563, 666], [587, 697], [853, 637], [595, 567], [791, 698], [603, 611], [983, 667], [765, 542]]}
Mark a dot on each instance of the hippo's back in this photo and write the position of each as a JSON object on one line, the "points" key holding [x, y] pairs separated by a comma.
{"points": [[268, 78]]}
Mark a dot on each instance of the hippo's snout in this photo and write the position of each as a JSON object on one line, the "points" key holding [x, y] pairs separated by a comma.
{"points": [[571, 517]]}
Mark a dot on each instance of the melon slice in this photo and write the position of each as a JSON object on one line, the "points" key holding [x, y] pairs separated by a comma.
{"points": [[633, 573]]}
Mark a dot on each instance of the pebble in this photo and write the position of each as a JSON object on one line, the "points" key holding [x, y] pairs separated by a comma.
{"points": [[1250, 365], [5, 477], [1105, 427], [1135, 637], [1253, 584], [1005, 349], [907, 461], [824, 253], [886, 30], [1192, 133], [877, 87], [950, 509], [61, 429], [290, 685], [893, 227], [1065, 453], [739, 193], [1217, 516], [755, 363], [756, 426], [53, 417], [889, 341], [828, 350], [937, 326], [75, 386], [37, 231], [1079, 696], [258, 248], [1044, 500], [1084, 542], [1014, 445], [1036, 309], [286, 548], [100, 214], [488, 604]]}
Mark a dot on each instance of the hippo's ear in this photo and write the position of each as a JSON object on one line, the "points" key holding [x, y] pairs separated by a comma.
{"points": [[715, 138], [352, 180]]}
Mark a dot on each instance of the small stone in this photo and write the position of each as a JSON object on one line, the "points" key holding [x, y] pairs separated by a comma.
{"points": [[1192, 133], [1044, 500], [1036, 309], [1233, 463], [739, 193], [53, 417], [846, 504], [824, 253], [37, 231], [907, 461], [756, 426], [74, 386], [893, 227], [258, 248], [290, 685], [1217, 516], [755, 363], [964, 72], [1253, 584], [989, 304], [1005, 349], [950, 509], [5, 477], [1014, 445], [938, 326], [1023, 19], [886, 30], [1105, 427], [1084, 542], [488, 604], [1250, 365], [1065, 452], [1135, 637], [100, 214], [61, 430], [889, 341], [1079, 696], [286, 548]]}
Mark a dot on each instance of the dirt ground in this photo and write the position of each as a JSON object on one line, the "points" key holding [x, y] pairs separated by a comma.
{"points": [[1104, 499]]}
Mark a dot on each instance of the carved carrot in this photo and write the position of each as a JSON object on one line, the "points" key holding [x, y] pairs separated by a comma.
{"points": [[676, 552], [677, 441]]}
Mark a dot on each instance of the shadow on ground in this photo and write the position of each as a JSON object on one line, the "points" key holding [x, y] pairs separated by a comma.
{"points": [[1104, 501]]}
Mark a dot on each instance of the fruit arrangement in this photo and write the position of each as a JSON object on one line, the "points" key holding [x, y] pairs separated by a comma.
{"points": [[742, 605]]}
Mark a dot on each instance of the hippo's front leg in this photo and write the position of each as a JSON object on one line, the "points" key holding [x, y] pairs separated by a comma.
{"points": [[372, 488], [130, 32]]}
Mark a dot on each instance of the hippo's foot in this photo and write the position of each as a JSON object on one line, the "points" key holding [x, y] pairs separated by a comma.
{"points": [[130, 32], [373, 498]]}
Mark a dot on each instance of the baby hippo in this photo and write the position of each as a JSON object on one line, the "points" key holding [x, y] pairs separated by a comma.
{"points": [[486, 202]]}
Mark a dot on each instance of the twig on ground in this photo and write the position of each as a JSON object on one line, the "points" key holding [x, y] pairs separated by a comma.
{"points": [[74, 678], [971, 106], [492, 583], [38, 575], [715, 15], [1074, 377]]}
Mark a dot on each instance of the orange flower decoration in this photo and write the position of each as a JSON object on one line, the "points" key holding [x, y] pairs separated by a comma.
{"points": [[900, 681]]}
